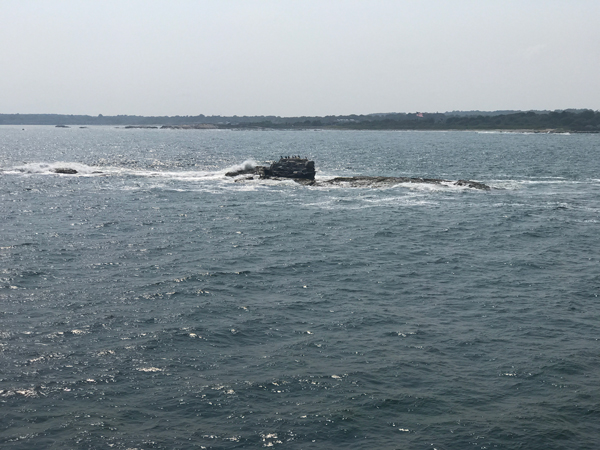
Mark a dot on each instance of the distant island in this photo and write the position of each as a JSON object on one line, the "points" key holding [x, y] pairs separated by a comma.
{"points": [[569, 120]]}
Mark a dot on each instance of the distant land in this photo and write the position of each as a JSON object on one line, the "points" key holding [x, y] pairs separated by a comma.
{"points": [[569, 120]]}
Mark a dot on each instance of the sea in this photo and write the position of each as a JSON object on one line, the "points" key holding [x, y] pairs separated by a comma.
{"points": [[150, 302]]}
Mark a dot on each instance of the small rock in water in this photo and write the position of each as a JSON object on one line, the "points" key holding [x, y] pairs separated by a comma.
{"points": [[472, 184], [235, 173], [65, 171]]}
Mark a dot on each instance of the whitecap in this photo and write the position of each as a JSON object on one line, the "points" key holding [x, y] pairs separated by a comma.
{"points": [[52, 167], [150, 369], [246, 165]]}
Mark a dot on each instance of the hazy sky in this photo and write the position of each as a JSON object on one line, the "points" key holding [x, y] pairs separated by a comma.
{"points": [[297, 57]]}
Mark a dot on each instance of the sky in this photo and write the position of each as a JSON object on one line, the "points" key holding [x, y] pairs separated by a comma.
{"points": [[297, 57]]}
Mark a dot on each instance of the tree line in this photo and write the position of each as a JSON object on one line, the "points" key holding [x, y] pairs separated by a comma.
{"points": [[566, 120]]}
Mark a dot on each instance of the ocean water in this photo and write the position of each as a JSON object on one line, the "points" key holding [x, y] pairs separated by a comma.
{"points": [[150, 302]]}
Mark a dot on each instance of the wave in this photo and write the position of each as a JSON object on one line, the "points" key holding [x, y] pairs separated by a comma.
{"points": [[522, 132], [75, 169], [53, 168], [216, 179], [79, 169], [246, 165], [516, 184]]}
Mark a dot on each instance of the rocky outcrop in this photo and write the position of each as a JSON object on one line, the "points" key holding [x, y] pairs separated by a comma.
{"points": [[287, 167], [291, 167], [303, 171], [361, 181], [472, 184]]}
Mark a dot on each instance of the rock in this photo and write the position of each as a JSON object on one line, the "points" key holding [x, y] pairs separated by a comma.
{"points": [[235, 173], [472, 184], [303, 171], [61, 126], [240, 180], [294, 167], [360, 181], [65, 171]]}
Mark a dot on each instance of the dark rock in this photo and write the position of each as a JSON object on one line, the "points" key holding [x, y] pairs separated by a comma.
{"points": [[239, 180], [472, 184], [65, 171], [62, 126], [360, 181], [294, 167], [306, 182], [235, 173]]}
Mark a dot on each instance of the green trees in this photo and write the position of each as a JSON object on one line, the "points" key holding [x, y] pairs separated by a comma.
{"points": [[567, 120]]}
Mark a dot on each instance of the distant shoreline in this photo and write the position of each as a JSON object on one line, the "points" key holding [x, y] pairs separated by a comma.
{"points": [[483, 130], [204, 127], [567, 121]]}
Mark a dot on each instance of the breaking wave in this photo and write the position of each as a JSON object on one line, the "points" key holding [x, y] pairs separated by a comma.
{"points": [[246, 165], [52, 168]]}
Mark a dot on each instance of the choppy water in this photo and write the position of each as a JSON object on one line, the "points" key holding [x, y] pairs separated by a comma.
{"points": [[159, 304]]}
